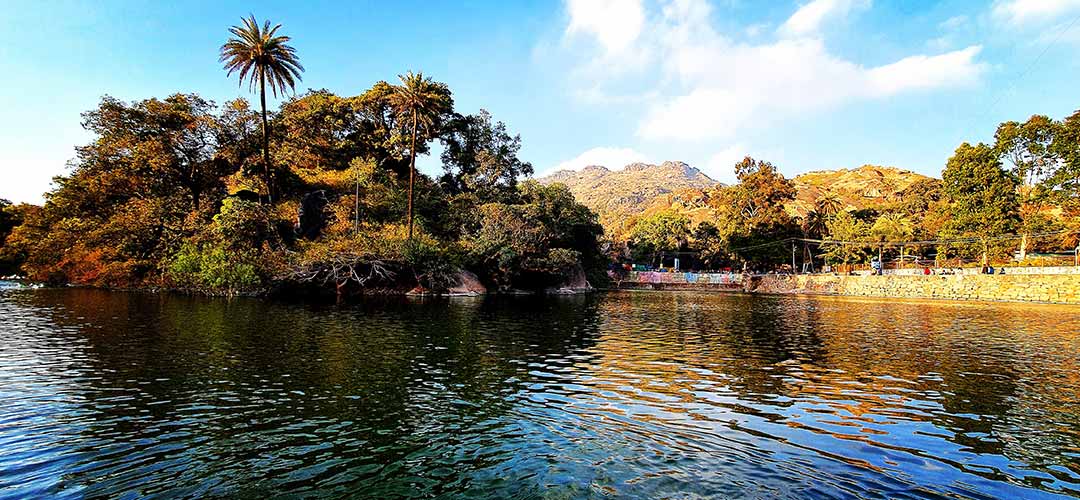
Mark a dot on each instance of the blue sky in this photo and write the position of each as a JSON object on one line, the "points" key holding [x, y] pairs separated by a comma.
{"points": [[806, 84]]}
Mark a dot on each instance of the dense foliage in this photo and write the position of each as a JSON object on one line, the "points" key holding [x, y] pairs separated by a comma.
{"points": [[183, 192], [172, 192], [1003, 202]]}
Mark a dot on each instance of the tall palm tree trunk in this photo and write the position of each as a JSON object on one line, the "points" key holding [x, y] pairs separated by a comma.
{"points": [[412, 172], [266, 138]]}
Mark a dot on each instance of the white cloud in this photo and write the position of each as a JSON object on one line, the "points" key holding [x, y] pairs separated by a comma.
{"points": [[614, 23], [721, 165], [730, 87], [610, 157], [712, 87], [810, 18], [953, 23], [952, 69], [1025, 12]]}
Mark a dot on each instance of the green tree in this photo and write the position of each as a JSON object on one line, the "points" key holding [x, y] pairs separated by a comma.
{"points": [[849, 237], [1027, 147], [919, 197], [154, 145], [320, 131], [151, 177], [892, 227], [481, 157], [421, 103], [1064, 184], [752, 212], [709, 244], [982, 198], [10, 217], [663, 231], [262, 56], [535, 241], [815, 224]]}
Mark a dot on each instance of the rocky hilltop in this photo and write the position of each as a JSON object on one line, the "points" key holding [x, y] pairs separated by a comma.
{"points": [[640, 188], [868, 186], [617, 195]]}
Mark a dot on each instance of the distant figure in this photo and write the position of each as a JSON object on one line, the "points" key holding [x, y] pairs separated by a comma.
{"points": [[989, 269], [926, 271], [1001, 270], [875, 264]]}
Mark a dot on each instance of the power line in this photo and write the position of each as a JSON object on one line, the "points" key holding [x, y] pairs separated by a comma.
{"points": [[1034, 62], [894, 244]]}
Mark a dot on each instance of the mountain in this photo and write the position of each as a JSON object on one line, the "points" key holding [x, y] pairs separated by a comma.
{"points": [[616, 195], [639, 189]]}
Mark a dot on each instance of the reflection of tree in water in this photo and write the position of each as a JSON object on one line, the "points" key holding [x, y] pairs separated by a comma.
{"points": [[263, 388], [738, 338], [988, 367], [394, 392], [982, 374]]}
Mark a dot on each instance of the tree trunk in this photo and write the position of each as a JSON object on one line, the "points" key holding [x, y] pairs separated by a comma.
{"points": [[1023, 247], [881, 259], [412, 172], [266, 138], [356, 205]]}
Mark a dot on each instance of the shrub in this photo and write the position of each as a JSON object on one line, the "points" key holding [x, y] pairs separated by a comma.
{"points": [[215, 269]]}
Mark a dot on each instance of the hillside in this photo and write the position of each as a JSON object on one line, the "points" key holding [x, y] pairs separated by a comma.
{"points": [[618, 195], [865, 187]]}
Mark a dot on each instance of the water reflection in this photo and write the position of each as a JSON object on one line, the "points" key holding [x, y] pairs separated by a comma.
{"points": [[631, 394]]}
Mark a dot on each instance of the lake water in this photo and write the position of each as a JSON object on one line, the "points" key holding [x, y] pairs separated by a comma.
{"points": [[639, 395]]}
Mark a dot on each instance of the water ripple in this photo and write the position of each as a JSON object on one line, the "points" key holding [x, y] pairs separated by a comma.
{"points": [[619, 395]]}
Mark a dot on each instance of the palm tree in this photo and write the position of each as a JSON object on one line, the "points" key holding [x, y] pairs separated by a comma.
{"points": [[263, 56], [893, 227], [420, 102], [829, 204], [815, 224]]}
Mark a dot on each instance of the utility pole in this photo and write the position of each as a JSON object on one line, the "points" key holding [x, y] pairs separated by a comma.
{"points": [[793, 270]]}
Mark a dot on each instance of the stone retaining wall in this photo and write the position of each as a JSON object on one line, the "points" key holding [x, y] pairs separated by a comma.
{"points": [[1034, 285], [1059, 289]]}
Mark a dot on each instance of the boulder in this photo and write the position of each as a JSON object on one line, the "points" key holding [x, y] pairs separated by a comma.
{"points": [[311, 219], [575, 282], [466, 284]]}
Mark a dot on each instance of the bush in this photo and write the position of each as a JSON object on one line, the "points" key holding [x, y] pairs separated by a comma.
{"points": [[432, 264], [215, 269]]}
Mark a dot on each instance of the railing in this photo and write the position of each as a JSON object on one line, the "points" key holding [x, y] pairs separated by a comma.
{"points": [[678, 277]]}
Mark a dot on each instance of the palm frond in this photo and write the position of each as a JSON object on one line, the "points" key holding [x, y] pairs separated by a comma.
{"points": [[259, 54]]}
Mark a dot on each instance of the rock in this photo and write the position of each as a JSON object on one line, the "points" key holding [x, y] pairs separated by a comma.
{"points": [[419, 291], [311, 218], [246, 195], [576, 282], [466, 284]]}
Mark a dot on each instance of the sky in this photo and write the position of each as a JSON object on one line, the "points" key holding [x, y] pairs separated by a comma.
{"points": [[805, 84]]}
